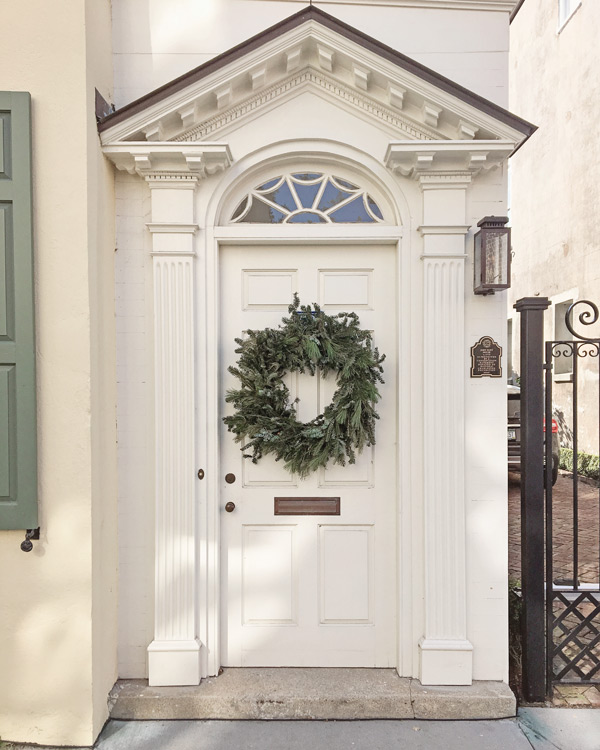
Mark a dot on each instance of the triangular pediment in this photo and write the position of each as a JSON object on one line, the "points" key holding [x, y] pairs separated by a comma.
{"points": [[312, 51]]}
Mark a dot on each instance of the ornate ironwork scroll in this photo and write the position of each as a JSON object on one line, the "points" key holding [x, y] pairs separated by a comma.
{"points": [[584, 318]]}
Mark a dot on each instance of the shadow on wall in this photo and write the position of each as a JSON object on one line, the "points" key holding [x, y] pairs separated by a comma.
{"points": [[565, 433]]}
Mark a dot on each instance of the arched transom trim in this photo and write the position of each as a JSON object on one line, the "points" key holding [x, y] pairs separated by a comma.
{"points": [[307, 198]]}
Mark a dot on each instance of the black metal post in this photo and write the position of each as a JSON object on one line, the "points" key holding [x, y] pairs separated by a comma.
{"points": [[531, 310]]}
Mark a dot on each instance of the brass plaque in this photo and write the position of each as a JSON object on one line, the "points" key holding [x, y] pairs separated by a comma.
{"points": [[307, 506], [486, 358]]}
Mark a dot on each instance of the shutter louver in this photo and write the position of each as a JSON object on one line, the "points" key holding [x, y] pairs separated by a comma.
{"points": [[18, 437]]}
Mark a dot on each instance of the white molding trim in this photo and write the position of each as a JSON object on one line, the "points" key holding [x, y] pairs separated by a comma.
{"points": [[299, 234], [167, 161], [456, 256], [165, 228], [444, 229], [414, 159]]}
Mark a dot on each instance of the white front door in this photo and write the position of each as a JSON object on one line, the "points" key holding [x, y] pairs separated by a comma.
{"points": [[310, 590]]}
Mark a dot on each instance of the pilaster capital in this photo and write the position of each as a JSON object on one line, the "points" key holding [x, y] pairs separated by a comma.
{"points": [[452, 163], [169, 161]]}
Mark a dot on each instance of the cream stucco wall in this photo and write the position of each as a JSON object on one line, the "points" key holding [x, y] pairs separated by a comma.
{"points": [[58, 604], [555, 178]]}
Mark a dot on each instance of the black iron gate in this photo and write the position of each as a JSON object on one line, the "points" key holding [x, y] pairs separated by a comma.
{"points": [[560, 529], [573, 523]]}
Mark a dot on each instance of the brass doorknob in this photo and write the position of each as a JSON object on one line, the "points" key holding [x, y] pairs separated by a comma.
{"points": [[229, 507]]}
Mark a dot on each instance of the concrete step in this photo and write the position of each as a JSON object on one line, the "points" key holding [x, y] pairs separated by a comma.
{"points": [[302, 693]]}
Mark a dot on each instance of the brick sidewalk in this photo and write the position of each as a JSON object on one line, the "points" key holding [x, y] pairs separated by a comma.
{"points": [[588, 528]]}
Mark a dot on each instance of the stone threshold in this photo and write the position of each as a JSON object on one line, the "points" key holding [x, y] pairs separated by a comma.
{"points": [[310, 693]]}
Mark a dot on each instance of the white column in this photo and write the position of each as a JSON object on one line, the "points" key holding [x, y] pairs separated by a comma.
{"points": [[174, 654], [446, 653]]}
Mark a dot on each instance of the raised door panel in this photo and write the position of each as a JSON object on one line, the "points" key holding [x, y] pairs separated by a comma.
{"points": [[269, 571], [346, 574]]}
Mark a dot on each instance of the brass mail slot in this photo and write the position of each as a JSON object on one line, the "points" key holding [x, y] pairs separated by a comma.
{"points": [[307, 506]]}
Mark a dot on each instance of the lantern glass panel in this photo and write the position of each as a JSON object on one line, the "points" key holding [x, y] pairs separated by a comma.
{"points": [[496, 257], [477, 261]]}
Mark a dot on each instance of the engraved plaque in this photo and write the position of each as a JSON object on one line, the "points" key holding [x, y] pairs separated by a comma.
{"points": [[307, 506], [486, 358]]}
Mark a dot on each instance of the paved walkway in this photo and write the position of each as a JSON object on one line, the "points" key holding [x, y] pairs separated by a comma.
{"points": [[315, 735], [561, 728], [537, 728]]}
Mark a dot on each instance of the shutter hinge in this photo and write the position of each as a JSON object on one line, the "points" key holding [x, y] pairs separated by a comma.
{"points": [[30, 534]]}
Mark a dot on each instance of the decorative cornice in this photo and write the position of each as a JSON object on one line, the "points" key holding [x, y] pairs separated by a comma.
{"points": [[176, 162], [309, 76], [417, 160]]}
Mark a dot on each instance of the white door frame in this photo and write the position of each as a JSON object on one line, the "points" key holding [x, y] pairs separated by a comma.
{"points": [[208, 376]]}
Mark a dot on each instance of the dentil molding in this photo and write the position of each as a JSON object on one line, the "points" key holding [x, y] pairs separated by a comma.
{"points": [[309, 76]]}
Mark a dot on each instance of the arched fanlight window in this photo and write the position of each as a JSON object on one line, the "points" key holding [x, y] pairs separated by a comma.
{"points": [[307, 198]]}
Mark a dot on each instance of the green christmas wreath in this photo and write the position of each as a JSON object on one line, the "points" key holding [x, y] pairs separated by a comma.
{"points": [[306, 341]]}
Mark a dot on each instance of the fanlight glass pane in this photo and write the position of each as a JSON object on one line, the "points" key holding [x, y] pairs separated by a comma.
{"points": [[307, 194], [332, 196], [307, 217], [307, 198], [307, 176], [282, 197], [352, 213]]}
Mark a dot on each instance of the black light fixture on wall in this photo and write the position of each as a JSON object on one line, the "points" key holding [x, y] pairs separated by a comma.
{"points": [[492, 255]]}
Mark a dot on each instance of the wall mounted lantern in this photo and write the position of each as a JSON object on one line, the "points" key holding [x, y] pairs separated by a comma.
{"points": [[492, 255]]}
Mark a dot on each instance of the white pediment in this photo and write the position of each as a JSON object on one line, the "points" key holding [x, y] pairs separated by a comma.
{"points": [[313, 51]]}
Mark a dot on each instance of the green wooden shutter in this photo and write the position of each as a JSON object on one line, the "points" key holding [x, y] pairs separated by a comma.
{"points": [[18, 443]]}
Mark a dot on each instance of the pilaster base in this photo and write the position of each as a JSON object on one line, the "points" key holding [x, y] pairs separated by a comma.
{"points": [[446, 662], [174, 663]]}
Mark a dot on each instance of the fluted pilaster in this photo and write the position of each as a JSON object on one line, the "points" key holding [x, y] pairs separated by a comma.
{"points": [[174, 654], [446, 653]]}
